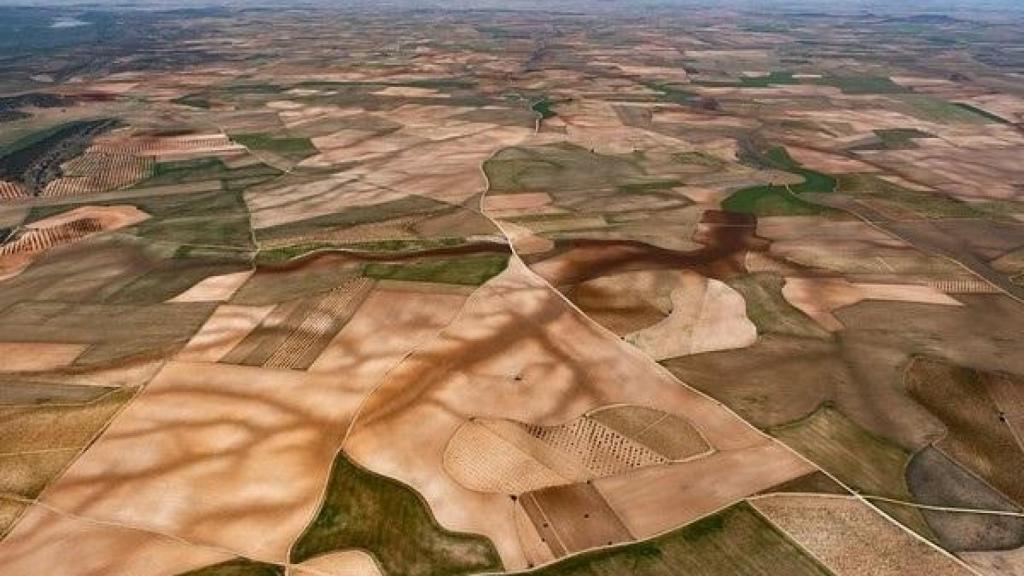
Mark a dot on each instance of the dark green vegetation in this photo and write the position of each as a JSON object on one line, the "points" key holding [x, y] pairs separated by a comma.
{"points": [[469, 271], [771, 201], [776, 200], [895, 139], [10, 105], [769, 311], [543, 107], [675, 93], [937, 110], [35, 159], [735, 541], [291, 148], [863, 84], [389, 520], [206, 169], [212, 218], [980, 112], [239, 567], [193, 100], [814, 182]]}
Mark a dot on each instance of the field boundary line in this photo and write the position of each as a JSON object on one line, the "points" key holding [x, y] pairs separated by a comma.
{"points": [[951, 509], [123, 526]]}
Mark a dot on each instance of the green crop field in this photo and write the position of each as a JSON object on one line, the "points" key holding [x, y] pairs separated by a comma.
{"points": [[373, 513]]}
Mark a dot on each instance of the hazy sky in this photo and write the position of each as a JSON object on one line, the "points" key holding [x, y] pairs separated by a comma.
{"points": [[880, 6]]}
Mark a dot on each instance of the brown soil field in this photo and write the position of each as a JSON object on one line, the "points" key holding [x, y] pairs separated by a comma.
{"points": [[11, 190], [274, 204], [279, 439], [826, 162], [983, 237], [488, 457], [214, 288], [26, 474], [777, 380], [525, 241], [10, 511], [410, 318], [192, 144], [108, 217], [964, 286], [998, 562], [99, 172], [39, 545], [223, 331], [977, 435], [535, 547], [854, 249], [33, 428], [63, 229], [508, 204], [573, 518], [626, 302], [37, 356], [501, 360], [318, 273], [851, 539], [818, 297], [979, 170], [668, 435], [813, 483], [295, 333], [652, 500], [707, 315], [432, 155]]}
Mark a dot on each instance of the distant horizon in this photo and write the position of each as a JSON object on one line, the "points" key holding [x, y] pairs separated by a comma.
{"points": [[838, 6]]}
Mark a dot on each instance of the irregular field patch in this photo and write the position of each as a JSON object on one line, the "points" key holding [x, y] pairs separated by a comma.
{"points": [[979, 433], [708, 547], [366, 511], [851, 539]]}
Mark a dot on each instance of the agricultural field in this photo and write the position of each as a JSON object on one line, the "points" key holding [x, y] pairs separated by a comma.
{"points": [[424, 290]]}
